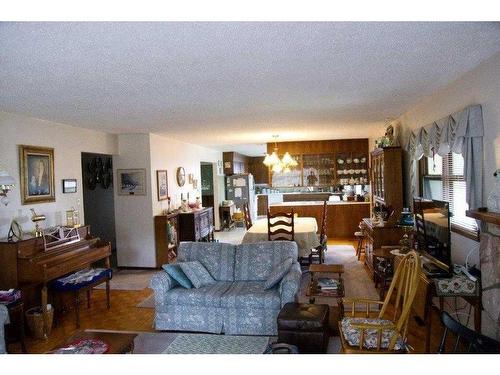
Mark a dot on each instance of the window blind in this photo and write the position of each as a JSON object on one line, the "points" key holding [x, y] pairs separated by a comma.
{"points": [[454, 191]]}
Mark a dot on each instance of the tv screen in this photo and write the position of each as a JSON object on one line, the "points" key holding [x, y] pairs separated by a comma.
{"points": [[432, 221]]}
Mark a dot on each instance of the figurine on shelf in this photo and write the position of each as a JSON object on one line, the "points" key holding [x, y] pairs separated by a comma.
{"points": [[198, 202]]}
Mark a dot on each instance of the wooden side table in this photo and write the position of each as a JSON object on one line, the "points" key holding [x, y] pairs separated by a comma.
{"points": [[314, 291], [15, 329]]}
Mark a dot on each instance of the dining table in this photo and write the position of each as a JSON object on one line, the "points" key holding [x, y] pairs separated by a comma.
{"points": [[305, 234]]}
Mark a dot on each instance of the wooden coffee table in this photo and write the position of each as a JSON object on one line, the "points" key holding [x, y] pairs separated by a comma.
{"points": [[119, 343]]}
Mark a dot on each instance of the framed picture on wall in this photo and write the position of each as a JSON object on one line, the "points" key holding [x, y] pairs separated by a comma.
{"points": [[69, 185], [131, 181], [162, 185], [36, 169]]}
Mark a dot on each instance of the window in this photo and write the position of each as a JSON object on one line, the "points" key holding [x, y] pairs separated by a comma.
{"points": [[442, 178]]}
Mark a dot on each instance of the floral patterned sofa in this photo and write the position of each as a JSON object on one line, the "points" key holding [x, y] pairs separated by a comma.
{"points": [[237, 302], [4, 319]]}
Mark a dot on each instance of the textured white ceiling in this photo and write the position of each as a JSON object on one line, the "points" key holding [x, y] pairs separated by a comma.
{"points": [[220, 84]]}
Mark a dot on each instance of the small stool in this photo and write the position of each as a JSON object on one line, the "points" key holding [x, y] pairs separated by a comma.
{"points": [[65, 285], [360, 237], [305, 326]]}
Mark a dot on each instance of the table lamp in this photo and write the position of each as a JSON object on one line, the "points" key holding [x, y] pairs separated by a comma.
{"points": [[407, 222]]}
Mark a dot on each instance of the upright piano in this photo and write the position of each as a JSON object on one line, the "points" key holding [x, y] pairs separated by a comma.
{"points": [[31, 263]]}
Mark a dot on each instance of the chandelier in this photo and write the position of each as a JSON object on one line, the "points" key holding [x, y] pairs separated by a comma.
{"points": [[278, 165]]}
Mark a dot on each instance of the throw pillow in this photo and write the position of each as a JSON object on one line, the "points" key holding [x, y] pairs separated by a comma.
{"points": [[278, 273], [197, 273], [176, 273]]}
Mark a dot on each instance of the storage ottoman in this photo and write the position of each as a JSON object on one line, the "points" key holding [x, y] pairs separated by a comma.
{"points": [[305, 326]]}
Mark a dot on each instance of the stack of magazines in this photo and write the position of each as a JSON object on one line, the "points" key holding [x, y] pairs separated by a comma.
{"points": [[328, 284]]}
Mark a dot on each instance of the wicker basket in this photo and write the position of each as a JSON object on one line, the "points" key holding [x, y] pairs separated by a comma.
{"points": [[34, 318]]}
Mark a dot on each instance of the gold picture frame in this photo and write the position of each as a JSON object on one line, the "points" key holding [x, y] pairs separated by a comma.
{"points": [[36, 169]]}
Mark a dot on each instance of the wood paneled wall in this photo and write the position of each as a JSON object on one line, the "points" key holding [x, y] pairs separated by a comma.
{"points": [[322, 147]]}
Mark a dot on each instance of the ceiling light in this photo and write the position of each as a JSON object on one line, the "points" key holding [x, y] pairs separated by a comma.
{"points": [[278, 165]]}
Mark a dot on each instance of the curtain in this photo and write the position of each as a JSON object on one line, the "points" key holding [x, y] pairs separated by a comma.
{"points": [[460, 132]]}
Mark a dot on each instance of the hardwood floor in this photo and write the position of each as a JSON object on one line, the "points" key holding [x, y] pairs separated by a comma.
{"points": [[125, 316]]}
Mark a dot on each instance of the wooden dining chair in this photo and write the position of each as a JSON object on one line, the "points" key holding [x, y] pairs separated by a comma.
{"points": [[319, 251], [246, 216], [280, 226], [384, 333], [465, 339]]}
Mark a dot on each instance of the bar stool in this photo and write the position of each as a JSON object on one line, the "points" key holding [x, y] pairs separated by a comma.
{"points": [[360, 236]]}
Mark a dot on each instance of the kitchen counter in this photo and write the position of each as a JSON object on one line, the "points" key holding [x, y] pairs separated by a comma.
{"points": [[343, 217], [315, 203]]}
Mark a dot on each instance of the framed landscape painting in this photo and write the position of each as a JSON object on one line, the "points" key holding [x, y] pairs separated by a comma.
{"points": [[131, 181], [36, 169], [162, 185]]}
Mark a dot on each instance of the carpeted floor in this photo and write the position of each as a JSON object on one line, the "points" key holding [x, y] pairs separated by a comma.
{"points": [[129, 280]]}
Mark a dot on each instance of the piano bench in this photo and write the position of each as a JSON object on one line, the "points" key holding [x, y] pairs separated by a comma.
{"points": [[82, 281]]}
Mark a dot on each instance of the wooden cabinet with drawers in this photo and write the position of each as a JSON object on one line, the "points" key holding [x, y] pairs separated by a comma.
{"points": [[196, 225], [378, 236]]}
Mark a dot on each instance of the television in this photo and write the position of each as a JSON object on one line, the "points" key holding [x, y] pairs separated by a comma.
{"points": [[432, 222]]}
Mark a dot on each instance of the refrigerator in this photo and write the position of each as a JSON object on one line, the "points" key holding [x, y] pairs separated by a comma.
{"points": [[240, 188]]}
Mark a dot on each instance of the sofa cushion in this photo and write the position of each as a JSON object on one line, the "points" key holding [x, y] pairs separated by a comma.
{"points": [[209, 295], [251, 295], [197, 273], [255, 261], [175, 271], [218, 258], [277, 273]]}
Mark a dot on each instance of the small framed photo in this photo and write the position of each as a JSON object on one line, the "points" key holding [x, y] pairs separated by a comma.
{"points": [[131, 181], [162, 185], [36, 166], [69, 185]]}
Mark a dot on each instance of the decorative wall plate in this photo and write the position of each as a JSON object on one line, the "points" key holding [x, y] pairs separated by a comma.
{"points": [[181, 176]]}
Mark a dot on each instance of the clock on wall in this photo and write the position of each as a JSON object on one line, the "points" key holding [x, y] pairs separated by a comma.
{"points": [[181, 176]]}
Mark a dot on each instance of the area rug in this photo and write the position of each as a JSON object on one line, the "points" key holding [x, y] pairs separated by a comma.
{"points": [[148, 302], [188, 343], [129, 280], [158, 342]]}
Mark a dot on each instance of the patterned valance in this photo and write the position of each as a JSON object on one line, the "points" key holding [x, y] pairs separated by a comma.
{"points": [[447, 134], [460, 132]]}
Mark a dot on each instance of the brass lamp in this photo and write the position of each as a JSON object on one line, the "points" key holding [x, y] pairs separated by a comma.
{"points": [[406, 222]]}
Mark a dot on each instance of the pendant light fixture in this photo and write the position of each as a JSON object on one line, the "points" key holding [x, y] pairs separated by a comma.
{"points": [[276, 164]]}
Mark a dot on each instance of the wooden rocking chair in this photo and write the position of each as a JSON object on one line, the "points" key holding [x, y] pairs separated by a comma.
{"points": [[383, 334]]}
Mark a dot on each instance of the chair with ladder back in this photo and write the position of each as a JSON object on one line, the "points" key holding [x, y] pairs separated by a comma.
{"points": [[246, 216], [280, 226]]}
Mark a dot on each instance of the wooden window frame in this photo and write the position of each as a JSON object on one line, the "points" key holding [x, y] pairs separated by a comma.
{"points": [[423, 173]]}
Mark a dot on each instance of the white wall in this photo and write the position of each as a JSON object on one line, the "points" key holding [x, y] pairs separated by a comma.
{"points": [[479, 86], [134, 214], [169, 154], [135, 241], [68, 143]]}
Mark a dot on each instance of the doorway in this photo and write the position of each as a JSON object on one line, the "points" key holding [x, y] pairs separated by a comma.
{"points": [[98, 198], [207, 186]]}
